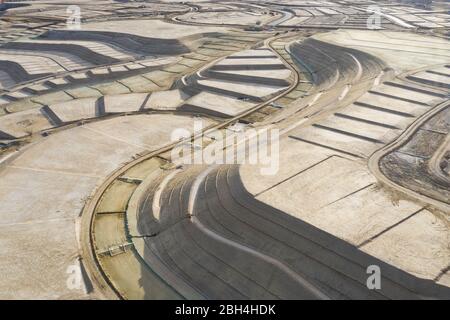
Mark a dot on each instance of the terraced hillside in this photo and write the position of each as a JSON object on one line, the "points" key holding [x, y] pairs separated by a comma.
{"points": [[199, 226], [356, 178], [246, 233]]}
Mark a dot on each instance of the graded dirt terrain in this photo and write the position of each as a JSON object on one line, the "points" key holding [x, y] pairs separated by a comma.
{"points": [[96, 206]]}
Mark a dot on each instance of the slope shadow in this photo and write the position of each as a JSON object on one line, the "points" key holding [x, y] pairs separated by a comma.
{"points": [[180, 250]]}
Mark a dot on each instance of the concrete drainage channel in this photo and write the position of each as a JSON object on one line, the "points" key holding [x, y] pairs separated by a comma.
{"points": [[112, 249]]}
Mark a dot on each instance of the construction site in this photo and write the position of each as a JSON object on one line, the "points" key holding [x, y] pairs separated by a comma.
{"points": [[94, 204]]}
